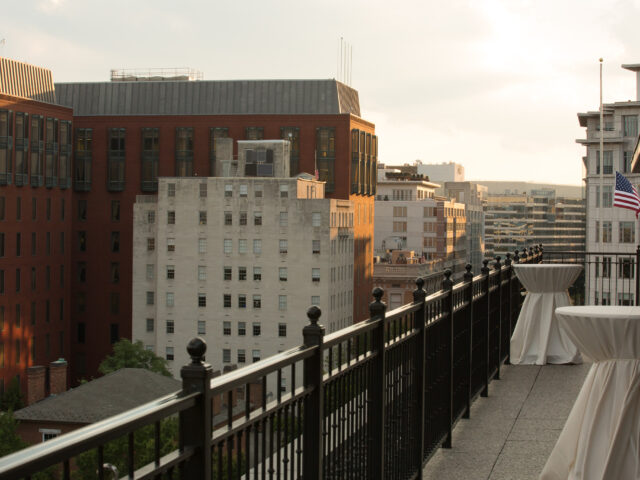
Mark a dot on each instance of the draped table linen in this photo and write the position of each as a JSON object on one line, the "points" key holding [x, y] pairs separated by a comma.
{"points": [[537, 338], [601, 438]]}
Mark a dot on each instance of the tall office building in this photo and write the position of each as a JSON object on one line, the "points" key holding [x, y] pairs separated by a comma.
{"points": [[610, 230], [238, 259]]}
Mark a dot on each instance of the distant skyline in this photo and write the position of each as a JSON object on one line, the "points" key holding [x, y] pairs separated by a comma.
{"points": [[493, 85]]}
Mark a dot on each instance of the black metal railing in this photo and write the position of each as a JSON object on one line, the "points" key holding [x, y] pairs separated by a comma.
{"points": [[374, 400]]}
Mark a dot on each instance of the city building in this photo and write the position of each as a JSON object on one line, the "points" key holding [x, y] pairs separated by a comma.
{"points": [[35, 222], [230, 258], [409, 216], [514, 221], [134, 130], [610, 230]]}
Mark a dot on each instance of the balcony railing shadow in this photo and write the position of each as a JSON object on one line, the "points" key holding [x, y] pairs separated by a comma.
{"points": [[373, 400]]}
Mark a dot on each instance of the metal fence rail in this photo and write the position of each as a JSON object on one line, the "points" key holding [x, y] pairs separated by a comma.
{"points": [[374, 400]]}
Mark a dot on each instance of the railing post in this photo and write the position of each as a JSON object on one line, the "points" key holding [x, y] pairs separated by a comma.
{"points": [[637, 272], [447, 286], [485, 288], [516, 257], [509, 274], [196, 423], [541, 253], [468, 298], [420, 360], [498, 267], [313, 334], [375, 402]]}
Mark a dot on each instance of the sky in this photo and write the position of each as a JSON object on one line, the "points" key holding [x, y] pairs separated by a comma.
{"points": [[493, 85]]}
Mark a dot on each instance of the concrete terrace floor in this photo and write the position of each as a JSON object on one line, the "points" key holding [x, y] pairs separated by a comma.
{"points": [[511, 432]]}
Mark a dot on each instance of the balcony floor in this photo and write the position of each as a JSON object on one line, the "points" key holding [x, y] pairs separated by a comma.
{"points": [[511, 433]]}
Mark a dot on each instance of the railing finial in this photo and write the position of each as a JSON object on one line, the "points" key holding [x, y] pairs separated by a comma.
{"points": [[196, 348], [508, 261], [468, 276], [313, 313], [377, 308], [497, 265], [516, 257], [419, 294], [485, 266], [313, 333]]}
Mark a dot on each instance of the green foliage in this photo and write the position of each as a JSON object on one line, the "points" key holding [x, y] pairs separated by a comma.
{"points": [[12, 398], [133, 355], [9, 440], [115, 452]]}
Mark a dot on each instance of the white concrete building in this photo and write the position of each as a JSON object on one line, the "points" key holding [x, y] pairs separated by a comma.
{"points": [[442, 172], [237, 261], [610, 230]]}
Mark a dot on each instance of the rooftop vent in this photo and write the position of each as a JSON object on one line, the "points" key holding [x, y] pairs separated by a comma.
{"points": [[156, 75]]}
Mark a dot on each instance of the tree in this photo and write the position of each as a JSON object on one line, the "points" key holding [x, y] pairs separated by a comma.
{"points": [[12, 398], [9, 440], [133, 355]]}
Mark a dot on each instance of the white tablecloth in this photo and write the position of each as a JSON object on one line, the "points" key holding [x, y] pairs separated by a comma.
{"points": [[537, 338], [601, 439]]}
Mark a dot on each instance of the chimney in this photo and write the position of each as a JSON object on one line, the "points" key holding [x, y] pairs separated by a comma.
{"points": [[58, 376], [35, 384]]}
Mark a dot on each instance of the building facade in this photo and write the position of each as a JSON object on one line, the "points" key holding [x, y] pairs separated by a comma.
{"points": [[35, 223], [610, 229], [128, 134], [235, 260]]}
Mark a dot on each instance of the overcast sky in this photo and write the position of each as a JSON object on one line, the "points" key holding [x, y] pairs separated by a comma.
{"points": [[493, 85]]}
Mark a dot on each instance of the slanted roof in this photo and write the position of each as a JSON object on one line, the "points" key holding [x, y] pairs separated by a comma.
{"points": [[101, 398], [228, 97]]}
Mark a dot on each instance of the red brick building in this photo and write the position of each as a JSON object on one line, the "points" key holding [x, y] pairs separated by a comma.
{"points": [[126, 134], [35, 222]]}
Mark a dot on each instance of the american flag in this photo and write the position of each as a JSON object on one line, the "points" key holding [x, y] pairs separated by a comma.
{"points": [[626, 195]]}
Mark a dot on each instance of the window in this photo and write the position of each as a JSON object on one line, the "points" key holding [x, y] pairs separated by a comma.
{"points": [[171, 244], [151, 244], [606, 267], [227, 273], [282, 245], [115, 272], [257, 301], [257, 274], [202, 299], [254, 133], [82, 161], [184, 152], [151, 217], [315, 274], [242, 273], [243, 218], [282, 274], [49, 433], [82, 210], [115, 242], [242, 245], [257, 246], [626, 267], [202, 217], [203, 190], [315, 300], [170, 326], [326, 155], [607, 196], [33, 244], [399, 226], [226, 328], [202, 272], [606, 232], [171, 272], [627, 158], [399, 211], [170, 299], [169, 353], [242, 358], [597, 231], [150, 159], [226, 355], [315, 246], [171, 189], [255, 354], [607, 164], [2, 204], [257, 191], [226, 300], [256, 329], [257, 218], [627, 232], [228, 191], [282, 302], [228, 218], [316, 219], [284, 219], [242, 301], [284, 190], [202, 327], [282, 329], [115, 304], [630, 124], [243, 190], [242, 329], [150, 298], [150, 325], [19, 244], [6, 133], [171, 217], [202, 245], [215, 133], [115, 160]]}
